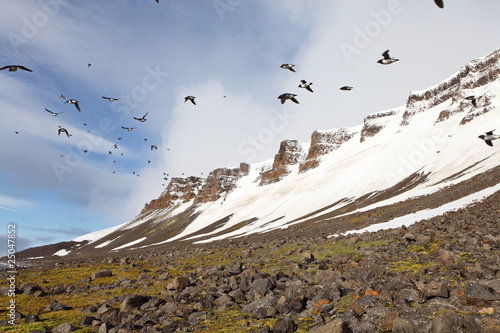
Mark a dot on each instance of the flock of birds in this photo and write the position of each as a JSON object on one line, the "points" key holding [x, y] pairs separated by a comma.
{"points": [[488, 137]]}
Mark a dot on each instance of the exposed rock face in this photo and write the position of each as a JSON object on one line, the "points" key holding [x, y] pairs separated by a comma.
{"points": [[183, 189], [322, 143], [374, 123], [476, 73], [179, 190], [219, 181], [290, 153]]}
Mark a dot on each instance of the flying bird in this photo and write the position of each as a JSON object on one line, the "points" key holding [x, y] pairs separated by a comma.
{"points": [[62, 130], [306, 85], [190, 98], [489, 137], [346, 88], [75, 102], [154, 147], [53, 113], [285, 96], [13, 68], [473, 99], [62, 97], [387, 60], [143, 119], [288, 66], [111, 99], [439, 3], [128, 128]]}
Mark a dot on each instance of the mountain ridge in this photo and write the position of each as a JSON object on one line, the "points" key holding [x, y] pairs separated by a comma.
{"points": [[409, 151]]}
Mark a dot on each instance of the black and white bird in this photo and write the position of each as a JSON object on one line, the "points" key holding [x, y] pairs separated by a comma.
{"points": [[306, 85], [346, 88], [439, 3], [488, 137], [154, 147], [128, 128], [288, 66], [143, 118], [62, 130], [285, 96], [14, 68], [53, 113], [62, 97], [190, 98], [75, 102], [111, 99], [387, 60], [474, 99]]}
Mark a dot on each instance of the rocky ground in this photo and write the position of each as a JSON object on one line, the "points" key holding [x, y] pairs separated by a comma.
{"points": [[438, 275]]}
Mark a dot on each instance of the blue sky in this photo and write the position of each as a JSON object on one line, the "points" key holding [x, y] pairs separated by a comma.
{"points": [[227, 54]]}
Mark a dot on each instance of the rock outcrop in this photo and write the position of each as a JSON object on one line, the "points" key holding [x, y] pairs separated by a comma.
{"points": [[374, 123], [179, 190], [220, 181], [475, 74], [290, 153], [322, 143]]}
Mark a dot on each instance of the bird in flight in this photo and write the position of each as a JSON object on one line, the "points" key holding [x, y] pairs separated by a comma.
{"points": [[128, 128], [489, 137], [346, 88], [13, 68], [190, 98], [439, 3], [288, 66], [285, 96], [53, 113], [143, 119], [75, 102], [111, 99], [387, 60], [154, 147], [306, 85], [62, 130], [473, 99]]}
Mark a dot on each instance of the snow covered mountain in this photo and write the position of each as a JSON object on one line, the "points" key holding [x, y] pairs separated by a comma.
{"points": [[413, 151]]}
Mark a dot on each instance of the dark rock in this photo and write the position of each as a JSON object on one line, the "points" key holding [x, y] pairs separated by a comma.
{"points": [[261, 308], [101, 273], [235, 267], [56, 306], [448, 322], [87, 320], [178, 283], [31, 318], [338, 325], [131, 302], [284, 325], [436, 289], [259, 288], [475, 292], [64, 328]]}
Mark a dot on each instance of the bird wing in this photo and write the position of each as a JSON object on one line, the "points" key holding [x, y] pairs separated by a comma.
{"points": [[474, 102], [309, 88], [490, 132], [145, 115], [49, 111], [489, 143], [386, 55], [26, 69], [77, 106], [4, 67], [439, 3], [294, 100]]}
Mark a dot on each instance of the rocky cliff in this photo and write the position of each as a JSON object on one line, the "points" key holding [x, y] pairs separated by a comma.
{"points": [[374, 123], [220, 181], [472, 76], [290, 153], [322, 143]]}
